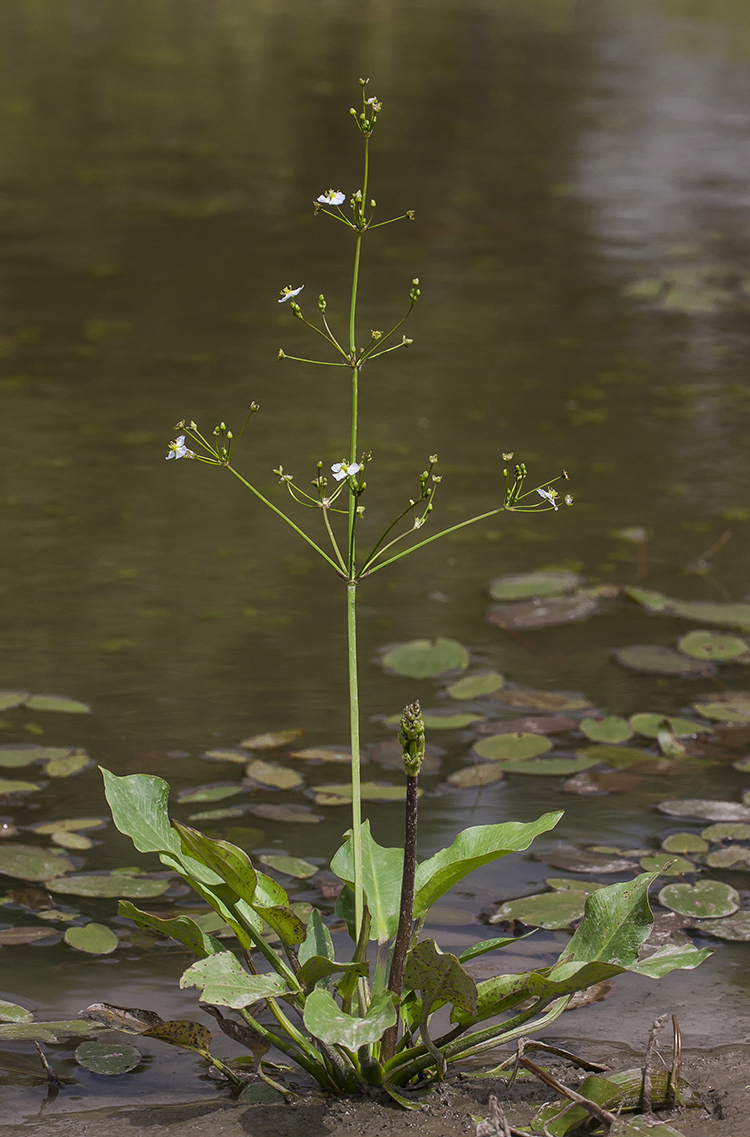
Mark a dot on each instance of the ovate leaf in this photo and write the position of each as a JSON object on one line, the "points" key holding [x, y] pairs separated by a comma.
{"points": [[326, 1021], [224, 983]]}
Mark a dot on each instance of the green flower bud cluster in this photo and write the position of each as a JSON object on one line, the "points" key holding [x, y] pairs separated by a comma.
{"points": [[412, 739]]}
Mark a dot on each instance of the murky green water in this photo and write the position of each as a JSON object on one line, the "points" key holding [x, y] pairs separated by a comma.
{"points": [[580, 176]]}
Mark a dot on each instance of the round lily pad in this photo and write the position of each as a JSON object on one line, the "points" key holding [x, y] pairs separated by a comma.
{"points": [[544, 700], [705, 899], [70, 840], [613, 728], [684, 843], [23, 934], [512, 747], [666, 864], [421, 659], [738, 710], [482, 774], [736, 927], [57, 703], [563, 884], [66, 767], [114, 885], [212, 792], [548, 767], [570, 859], [449, 722], [729, 857], [474, 686], [544, 910], [616, 755], [97, 939], [27, 862], [107, 1058], [727, 831], [655, 659], [717, 646], [649, 725], [527, 585], [544, 613], [705, 809], [269, 774], [291, 866]]}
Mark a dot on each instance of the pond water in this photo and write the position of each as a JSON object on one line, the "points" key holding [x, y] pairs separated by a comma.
{"points": [[580, 176]]}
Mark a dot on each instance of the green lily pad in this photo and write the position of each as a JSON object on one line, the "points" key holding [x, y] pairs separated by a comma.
{"points": [[218, 814], [705, 809], [613, 728], [649, 725], [13, 1013], [667, 864], [116, 885], [286, 814], [51, 1032], [654, 659], [27, 862], [527, 585], [335, 754], [548, 767], [705, 899], [271, 739], [621, 756], [269, 774], [66, 767], [563, 884], [512, 747], [727, 831], [16, 754], [211, 792], [11, 699], [730, 857], [291, 866], [228, 755], [70, 824], [544, 701], [23, 934], [704, 611], [440, 721], [545, 910], [685, 843], [474, 686], [728, 706], [97, 939], [717, 646], [735, 928], [422, 659], [482, 774], [107, 1058], [57, 703], [544, 613], [68, 840], [15, 786]]}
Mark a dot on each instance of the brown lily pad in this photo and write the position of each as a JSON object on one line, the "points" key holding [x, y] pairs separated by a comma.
{"points": [[542, 613], [705, 809], [655, 659], [543, 700], [570, 859]]}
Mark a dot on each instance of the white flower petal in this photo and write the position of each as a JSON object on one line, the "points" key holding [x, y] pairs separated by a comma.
{"points": [[288, 292], [332, 197], [549, 496]]}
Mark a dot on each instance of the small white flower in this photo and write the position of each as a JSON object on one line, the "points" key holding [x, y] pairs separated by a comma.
{"points": [[345, 469], [178, 449], [550, 495], [287, 292], [332, 197]]}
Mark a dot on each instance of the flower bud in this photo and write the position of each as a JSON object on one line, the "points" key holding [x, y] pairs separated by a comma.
{"points": [[412, 739]]}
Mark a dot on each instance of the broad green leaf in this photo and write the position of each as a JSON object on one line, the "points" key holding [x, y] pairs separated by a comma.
{"points": [[616, 922], [27, 862], [270, 774], [318, 967], [421, 659], [230, 863], [472, 848], [495, 996], [107, 1058], [650, 724], [97, 939], [317, 941], [716, 646], [382, 870], [484, 946], [181, 928], [474, 686], [290, 866], [139, 810], [224, 983], [325, 1020], [182, 1032], [543, 910], [526, 585], [613, 728], [704, 900], [112, 885], [655, 659], [57, 703], [512, 747], [13, 1013], [439, 975]]}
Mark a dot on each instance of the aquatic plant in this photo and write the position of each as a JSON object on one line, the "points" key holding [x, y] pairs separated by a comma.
{"points": [[365, 1021]]}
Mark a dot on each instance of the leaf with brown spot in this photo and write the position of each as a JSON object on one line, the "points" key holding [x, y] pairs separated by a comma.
{"points": [[182, 1032]]}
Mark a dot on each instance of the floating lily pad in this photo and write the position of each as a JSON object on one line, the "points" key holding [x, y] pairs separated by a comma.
{"points": [[107, 1058], [219, 814], [483, 774], [71, 824], [422, 659], [563, 884], [548, 767], [727, 831], [544, 700], [512, 747], [654, 659], [31, 934], [371, 791], [735, 928], [528, 724], [705, 899], [16, 754], [730, 857], [27, 862], [66, 767], [685, 843], [68, 840], [544, 613], [727, 706], [601, 782], [613, 728], [526, 585], [586, 861], [439, 721], [11, 699], [228, 755], [621, 756], [13, 1013], [97, 939], [269, 774], [116, 885], [15, 786], [474, 686], [290, 814], [705, 809], [323, 754], [216, 792], [704, 611], [716, 646], [649, 725], [291, 866], [57, 703], [271, 739], [666, 864], [51, 1032], [545, 910]]}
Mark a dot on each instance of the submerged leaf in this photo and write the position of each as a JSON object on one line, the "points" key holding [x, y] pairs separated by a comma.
{"points": [[705, 611], [570, 859], [544, 700], [211, 792], [482, 774], [438, 721], [621, 756], [97, 939], [27, 862], [512, 747], [51, 1032], [526, 585], [474, 686], [11, 786], [655, 659], [130, 1020], [291, 814], [340, 793], [422, 659], [66, 767], [528, 724], [727, 706], [107, 1058], [703, 900], [16, 754]]}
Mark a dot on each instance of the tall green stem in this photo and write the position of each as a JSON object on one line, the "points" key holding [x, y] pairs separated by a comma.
{"points": [[351, 626]]}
